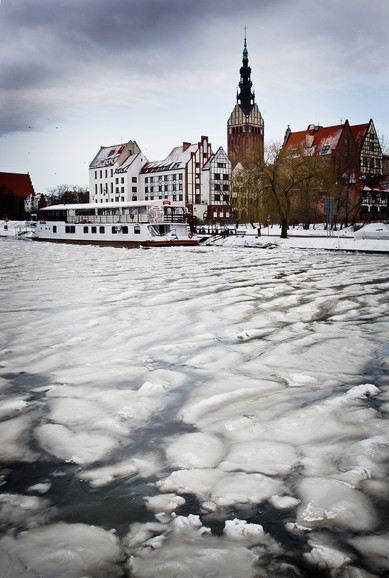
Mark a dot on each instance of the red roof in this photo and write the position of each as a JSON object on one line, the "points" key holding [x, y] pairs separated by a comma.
{"points": [[359, 133], [323, 139], [19, 183]]}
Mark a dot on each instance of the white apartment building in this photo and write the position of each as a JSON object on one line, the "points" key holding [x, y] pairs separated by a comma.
{"points": [[179, 176], [191, 173], [114, 174]]}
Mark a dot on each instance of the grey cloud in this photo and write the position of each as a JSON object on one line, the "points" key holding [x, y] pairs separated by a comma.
{"points": [[51, 47]]}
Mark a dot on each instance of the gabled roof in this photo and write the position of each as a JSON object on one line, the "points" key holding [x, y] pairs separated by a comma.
{"points": [[322, 140], [207, 165], [359, 132], [19, 183], [110, 153], [128, 162], [177, 159]]}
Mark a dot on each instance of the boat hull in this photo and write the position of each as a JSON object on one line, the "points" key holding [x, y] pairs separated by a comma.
{"points": [[108, 243]]}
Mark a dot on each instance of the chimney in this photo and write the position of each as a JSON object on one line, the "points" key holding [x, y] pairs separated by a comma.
{"points": [[185, 145]]}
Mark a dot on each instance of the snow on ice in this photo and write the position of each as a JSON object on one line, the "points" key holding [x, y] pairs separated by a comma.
{"points": [[193, 411]]}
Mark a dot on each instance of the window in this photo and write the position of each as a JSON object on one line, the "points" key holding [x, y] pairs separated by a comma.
{"points": [[180, 177], [122, 180], [146, 179], [117, 181], [325, 149], [102, 230], [85, 229], [221, 165], [70, 229], [217, 187], [346, 141], [54, 228], [217, 197], [174, 177], [371, 146], [226, 188], [217, 176], [101, 174], [125, 230], [137, 230], [93, 230], [114, 230], [225, 177], [95, 174], [134, 179]]}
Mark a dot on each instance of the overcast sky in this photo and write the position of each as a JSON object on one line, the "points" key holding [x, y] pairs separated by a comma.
{"points": [[79, 74]]}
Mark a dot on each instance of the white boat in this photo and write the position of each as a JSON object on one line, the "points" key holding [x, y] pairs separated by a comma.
{"points": [[140, 223]]}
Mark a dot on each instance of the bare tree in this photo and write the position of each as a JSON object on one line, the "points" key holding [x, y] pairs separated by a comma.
{"points": [[64, 194], [288, 175]]}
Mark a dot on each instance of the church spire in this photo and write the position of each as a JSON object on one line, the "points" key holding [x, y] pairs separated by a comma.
{"points": [[245, 98]]}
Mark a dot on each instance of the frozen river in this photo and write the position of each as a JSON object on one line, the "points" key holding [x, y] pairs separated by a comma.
{"points": [[203, 412]]}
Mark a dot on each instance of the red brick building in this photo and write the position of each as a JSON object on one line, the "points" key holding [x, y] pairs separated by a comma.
{"points": [[355, 156], [14, 190]]}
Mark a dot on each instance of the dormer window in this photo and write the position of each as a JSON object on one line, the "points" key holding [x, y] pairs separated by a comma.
{"points": [[325, 149]]}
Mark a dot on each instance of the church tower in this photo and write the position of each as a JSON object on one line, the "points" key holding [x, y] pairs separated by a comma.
{"points": [[245, 125]]}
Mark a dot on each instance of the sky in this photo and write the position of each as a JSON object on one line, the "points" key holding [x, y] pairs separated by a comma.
{"points": [[76, 75]]}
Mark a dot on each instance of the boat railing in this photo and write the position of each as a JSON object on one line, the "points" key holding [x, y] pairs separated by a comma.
{"points": [[113, 219]]}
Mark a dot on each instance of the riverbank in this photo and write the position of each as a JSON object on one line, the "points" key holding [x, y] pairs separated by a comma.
{"points": [[299, 238]]}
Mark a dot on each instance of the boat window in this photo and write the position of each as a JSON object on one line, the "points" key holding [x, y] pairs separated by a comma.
{"points": [[54, 228], [93, 229], [70, 229], [125, 230], [85, 229], [114, 230], [137, 230], [102, 229]]}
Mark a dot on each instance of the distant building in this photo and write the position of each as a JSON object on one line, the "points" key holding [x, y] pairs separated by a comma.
{"points": [[15, 188], [216, 189], [245, 126], [348, 148], [371, 158], [114, 173], [191, 173], [354, 153], [375, 201]]}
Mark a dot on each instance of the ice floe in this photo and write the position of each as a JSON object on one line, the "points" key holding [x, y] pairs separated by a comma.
{"points": [[65, 551]]}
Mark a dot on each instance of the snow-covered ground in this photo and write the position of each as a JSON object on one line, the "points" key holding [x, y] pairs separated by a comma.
{"points": [[205, 411], [373, 237]]}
